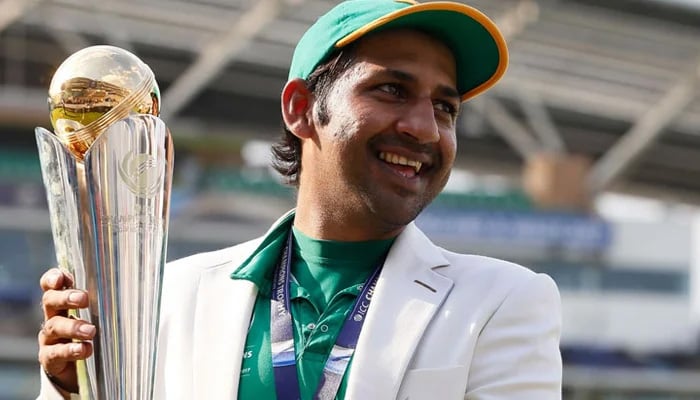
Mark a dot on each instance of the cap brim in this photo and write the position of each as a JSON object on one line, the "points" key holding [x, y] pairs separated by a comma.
{"points": [[478, 46]]}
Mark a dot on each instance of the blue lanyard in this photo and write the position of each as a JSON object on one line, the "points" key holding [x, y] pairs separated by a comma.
{"points": [[284, 362]]}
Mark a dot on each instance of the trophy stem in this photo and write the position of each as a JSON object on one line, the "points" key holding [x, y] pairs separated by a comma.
{"points": [[81, 370]]}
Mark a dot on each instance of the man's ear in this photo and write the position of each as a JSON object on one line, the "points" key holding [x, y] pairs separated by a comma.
{"points": [[297, 101]]}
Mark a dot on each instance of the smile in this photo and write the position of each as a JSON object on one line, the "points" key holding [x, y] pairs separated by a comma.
{"points": [[396, 159]]}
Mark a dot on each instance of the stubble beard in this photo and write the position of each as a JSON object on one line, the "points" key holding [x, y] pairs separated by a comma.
{"points": [[374, 202], [391, 210]]}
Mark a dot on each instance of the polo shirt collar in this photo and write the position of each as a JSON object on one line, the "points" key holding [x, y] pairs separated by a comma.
{"points": [[259, 266]]}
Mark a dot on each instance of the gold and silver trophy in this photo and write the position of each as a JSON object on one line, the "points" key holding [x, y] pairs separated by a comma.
{"points": [[107, 169]]}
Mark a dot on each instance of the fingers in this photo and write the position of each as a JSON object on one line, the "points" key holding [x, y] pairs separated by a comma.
{"points": [[57, 353], [58, 349], [57, 302], [55, 279], [56, 358], [59, 329], [53, 356], [56, 299]]}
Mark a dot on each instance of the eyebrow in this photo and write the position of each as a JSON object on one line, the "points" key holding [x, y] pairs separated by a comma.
{"points": [[404, 76]]}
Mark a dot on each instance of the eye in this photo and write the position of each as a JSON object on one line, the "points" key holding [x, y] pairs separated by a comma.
{"points": [[391, 88], [446, 107]]}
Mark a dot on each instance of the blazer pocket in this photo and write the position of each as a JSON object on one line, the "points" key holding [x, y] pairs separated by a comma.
{"points": [[434, 383]]}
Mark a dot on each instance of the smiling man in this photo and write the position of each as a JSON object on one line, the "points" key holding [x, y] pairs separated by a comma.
{"points": [[344, 297]]}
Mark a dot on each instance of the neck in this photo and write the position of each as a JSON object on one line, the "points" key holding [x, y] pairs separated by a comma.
{"points": [[327, 223]]}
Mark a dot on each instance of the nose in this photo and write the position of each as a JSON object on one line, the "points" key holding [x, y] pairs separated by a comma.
{"points": [[418, 121]]}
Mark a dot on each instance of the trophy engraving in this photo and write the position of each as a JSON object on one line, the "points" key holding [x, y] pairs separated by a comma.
{"points": [[140, 173], [107, 170]]}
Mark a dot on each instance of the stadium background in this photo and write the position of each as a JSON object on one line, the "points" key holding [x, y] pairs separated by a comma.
{"points": [[584, 162]]}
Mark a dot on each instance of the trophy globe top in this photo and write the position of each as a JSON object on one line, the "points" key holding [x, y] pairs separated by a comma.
{"points": [[96, 87]]}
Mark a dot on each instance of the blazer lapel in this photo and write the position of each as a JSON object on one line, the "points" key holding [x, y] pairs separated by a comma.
{"points": [[224, 307], [408, 294]]}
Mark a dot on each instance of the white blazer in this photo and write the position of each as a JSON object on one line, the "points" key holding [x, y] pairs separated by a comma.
{"points": [[441, 326]]}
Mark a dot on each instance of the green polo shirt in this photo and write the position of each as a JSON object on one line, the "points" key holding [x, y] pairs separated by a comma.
{"points": [[326, 279]]}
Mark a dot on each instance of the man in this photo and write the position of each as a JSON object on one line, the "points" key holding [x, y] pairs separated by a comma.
{"points": [[345, 297]]}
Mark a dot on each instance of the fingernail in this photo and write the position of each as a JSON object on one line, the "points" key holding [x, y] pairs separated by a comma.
{"points": [[87, 330], [75, 297], [75, 348]]}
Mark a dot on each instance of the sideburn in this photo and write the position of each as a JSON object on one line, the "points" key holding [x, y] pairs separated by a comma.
{"points": [[321, 111], [322, 80]]}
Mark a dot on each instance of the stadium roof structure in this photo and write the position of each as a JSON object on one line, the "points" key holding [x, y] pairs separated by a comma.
{"points": [[617, 83]]}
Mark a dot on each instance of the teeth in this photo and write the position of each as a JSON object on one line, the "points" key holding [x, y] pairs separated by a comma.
{"points": [[417, 165], [400, 160]]}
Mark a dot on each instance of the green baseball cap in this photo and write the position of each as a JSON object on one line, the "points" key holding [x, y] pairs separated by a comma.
{"points": [[478, 46]]}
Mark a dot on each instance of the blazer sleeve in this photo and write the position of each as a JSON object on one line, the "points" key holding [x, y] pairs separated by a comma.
{"points": [[517, 355], [50, 392]]}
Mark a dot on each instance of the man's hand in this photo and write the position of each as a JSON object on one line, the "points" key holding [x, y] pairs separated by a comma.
{"points": [[58, 349]]}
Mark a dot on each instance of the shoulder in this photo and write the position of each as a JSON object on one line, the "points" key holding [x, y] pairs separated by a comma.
{"points": [[182, 278], [471, 264], [194, 265], [479, 279], [497, 279]]}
